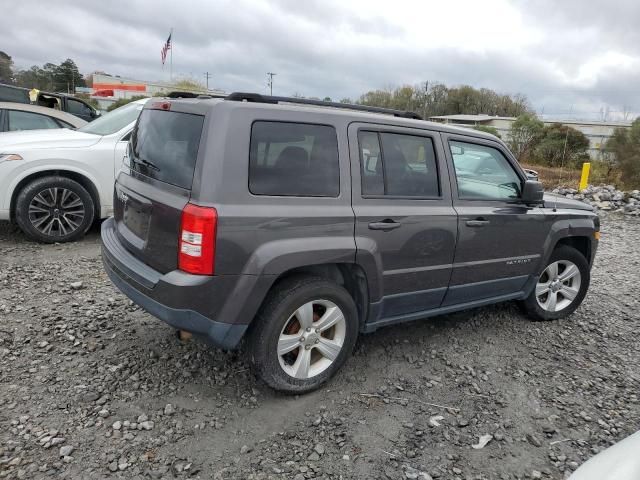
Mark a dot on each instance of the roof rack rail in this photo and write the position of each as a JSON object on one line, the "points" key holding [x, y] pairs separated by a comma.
{"points": [[258, 98], [179, 94]]}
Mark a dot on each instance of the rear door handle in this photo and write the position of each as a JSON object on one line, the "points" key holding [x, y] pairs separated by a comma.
{"points": [[478, 222], [384, 225]]}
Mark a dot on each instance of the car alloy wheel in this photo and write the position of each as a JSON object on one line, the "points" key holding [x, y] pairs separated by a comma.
{"points": [[558, 285], [311, 339], [56, 211]]}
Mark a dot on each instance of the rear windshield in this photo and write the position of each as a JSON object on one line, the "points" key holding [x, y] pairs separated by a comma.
{"points": [[9, 94], [164, 146]]}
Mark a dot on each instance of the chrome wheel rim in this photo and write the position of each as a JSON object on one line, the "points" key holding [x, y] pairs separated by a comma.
{"points": [[56, 212], [558, 286], [311, 339]]}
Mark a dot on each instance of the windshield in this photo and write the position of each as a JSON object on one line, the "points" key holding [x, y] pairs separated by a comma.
{"points": [[115, 120]]}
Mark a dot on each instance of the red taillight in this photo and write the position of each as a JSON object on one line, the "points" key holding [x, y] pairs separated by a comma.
{"points": [[197, 242]]}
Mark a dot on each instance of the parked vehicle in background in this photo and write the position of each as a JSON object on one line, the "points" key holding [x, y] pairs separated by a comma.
{"points": [[54, 183], [19, 116], [297, 227], [56, 101]]}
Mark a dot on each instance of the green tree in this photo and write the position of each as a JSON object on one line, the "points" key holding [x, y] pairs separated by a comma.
{"points": [[433, 98], [488, 129], [6, 68], [124, 101], [562, 145], [34, 77], [67, 77], [377, 98], [57, 78], [624, 146], [525, 133], [50, 72]]}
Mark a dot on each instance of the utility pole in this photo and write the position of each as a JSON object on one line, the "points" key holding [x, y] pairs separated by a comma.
{"points": [[270, 82], [207, 75], [425, 100]]}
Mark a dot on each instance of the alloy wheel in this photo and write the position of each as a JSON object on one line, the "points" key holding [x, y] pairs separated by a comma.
{"points": [[311, 339], [56, 211], [558, 286]]}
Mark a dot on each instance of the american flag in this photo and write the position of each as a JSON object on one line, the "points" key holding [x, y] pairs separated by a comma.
{"points": [[165, 49]]}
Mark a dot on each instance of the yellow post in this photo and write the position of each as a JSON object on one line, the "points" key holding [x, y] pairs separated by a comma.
{"points": [[584, 179]]}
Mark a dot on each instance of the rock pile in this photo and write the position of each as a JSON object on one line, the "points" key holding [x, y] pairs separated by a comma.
{"points": [[605, 197]]}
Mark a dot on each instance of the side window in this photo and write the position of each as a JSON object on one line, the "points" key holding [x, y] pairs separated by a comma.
{"points": [[484, 173], [398, 165], [293, 159], [371, 164], [78, 108], [29, 121]]}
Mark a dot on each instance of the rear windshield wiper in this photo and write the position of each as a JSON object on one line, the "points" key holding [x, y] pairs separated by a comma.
{"points": [[146, 163]]}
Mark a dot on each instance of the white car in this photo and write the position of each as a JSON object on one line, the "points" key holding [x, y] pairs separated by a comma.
{"points": [[618, 462], [55, 183], [15, 117]]}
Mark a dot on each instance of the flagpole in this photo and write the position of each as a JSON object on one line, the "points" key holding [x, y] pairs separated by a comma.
{"points": [[171, 56]]}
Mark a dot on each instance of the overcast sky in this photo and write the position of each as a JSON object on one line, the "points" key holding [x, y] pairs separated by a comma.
{"points": [[569, 57]]}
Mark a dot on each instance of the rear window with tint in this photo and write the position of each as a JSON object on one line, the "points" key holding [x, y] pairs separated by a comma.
{"points": [[164, 146], [9, 94], [293, 159]]}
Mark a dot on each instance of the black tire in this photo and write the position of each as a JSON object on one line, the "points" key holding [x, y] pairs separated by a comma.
{"points": [[284, 299], [62, 230], [531, 306]]}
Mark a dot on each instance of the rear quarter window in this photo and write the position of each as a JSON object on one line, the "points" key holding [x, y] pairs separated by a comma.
{"points": [[293, 159]]}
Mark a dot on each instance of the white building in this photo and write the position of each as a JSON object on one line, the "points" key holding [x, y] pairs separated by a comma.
{"points": [[596, 131]]}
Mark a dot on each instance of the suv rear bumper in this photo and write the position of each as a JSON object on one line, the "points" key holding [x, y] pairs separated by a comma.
{"points": [[182, 300]]}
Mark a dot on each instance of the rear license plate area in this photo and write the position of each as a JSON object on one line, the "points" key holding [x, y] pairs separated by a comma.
{"points": [[136, 213]]}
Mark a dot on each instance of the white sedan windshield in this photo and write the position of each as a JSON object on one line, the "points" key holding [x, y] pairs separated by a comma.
{"points": [[115, 120]]}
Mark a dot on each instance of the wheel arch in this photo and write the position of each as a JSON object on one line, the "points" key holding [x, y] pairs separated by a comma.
{"points": [[351, 276], [79, 177], [577, 233], [581, 243]]}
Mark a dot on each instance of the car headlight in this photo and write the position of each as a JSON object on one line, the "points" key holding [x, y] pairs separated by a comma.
{"points": [[5, 157]]}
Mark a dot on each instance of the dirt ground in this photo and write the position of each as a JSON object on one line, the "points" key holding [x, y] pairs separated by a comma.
{"points": [[93, 387]]}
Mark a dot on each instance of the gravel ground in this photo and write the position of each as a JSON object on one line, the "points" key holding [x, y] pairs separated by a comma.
{"points": [[93, 387]]}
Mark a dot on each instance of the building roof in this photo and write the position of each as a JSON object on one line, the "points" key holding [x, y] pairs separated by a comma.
{"points": [[607, 123]]}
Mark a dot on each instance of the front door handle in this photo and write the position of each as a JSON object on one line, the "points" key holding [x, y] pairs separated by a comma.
{"points": [[384, 225], [478, 222]]}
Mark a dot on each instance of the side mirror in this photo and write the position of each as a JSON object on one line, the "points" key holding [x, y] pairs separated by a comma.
{"points": [[531, 174], [532, 192]]}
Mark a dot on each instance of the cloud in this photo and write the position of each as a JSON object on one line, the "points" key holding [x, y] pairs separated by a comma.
{"points": [[565, 56]]}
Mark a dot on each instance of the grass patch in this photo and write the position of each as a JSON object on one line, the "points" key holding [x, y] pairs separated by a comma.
{"points": [[552, 177]]}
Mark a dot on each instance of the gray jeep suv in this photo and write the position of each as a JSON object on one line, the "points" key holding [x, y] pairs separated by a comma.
{"points": [[295, 225]]}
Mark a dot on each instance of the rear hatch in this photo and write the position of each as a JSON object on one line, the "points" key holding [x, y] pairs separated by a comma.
{"points": [[155, 184]]}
